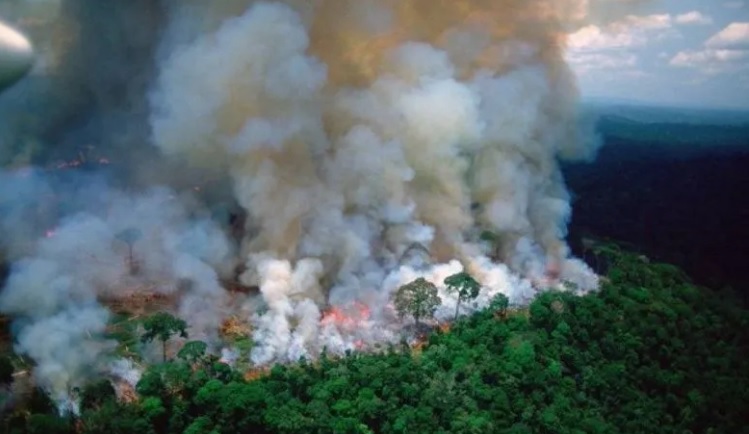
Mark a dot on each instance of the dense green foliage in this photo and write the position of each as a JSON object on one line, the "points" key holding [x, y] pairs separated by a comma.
{"points": [[649, 353], [465, 286], [163, 326], [419, 299]]}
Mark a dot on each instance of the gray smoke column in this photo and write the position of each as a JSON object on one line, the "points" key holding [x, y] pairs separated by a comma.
{"points": [[56, 292], [86, 102], [368, 142], [354, 129]]}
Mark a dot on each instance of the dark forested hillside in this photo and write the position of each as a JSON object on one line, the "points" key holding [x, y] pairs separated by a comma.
{"points": [[650, 353], [677, 192]]}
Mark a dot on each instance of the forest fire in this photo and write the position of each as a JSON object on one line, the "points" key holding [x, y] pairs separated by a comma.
{"points": [[125, 391], [255, 374], [309, 195], [348, 317], [329, 159], [234, 327], [139, 301]]}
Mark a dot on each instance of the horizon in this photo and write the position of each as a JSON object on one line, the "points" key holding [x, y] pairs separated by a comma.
{"points": [[612, 101]]}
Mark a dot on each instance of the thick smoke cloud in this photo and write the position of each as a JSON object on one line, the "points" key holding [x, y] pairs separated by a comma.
{"points": [[56, 294], [319, 153], [350, 140]]}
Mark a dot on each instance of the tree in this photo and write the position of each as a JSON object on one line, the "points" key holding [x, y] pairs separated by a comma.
{"points": [[129, 237], [48, 424], [418, 298], [96, 394], [465, 286], [499, 305], [192, 351], [163, 326]]}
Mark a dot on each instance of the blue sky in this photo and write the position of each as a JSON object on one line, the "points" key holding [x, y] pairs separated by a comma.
{"points": [[674, 52]]}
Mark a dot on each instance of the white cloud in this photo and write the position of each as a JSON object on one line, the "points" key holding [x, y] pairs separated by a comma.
{"points": [[725, 52], [631, 31], [593, 38], [734, 36], [692, 58], [644, 22], [584, 63], [605, 48], [711, 61], [693, 17]]}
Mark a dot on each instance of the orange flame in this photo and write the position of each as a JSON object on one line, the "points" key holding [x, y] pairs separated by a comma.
{"points": [[255, 374], [364, 311], [346, 317], [334, 316]]}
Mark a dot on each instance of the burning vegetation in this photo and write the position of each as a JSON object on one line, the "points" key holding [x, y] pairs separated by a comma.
{"points": [[234, 328], [318, 192], [349, 317]]}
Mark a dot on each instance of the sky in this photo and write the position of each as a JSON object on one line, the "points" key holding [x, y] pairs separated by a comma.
{"points": [[668, 52]]}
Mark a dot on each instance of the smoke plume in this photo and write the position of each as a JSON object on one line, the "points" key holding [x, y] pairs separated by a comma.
{"points": [[317, 154]]}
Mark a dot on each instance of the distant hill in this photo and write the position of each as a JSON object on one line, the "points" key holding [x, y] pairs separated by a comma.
{"points": [[650, 114], [666, 132], [677, 191], [687, 138]]}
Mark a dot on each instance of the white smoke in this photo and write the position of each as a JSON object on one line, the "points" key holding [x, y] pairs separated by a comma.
{"points": [[368, 144], [57, 292], [341, 180], [126, 370]]}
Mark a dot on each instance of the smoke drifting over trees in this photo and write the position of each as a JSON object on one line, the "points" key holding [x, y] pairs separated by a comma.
{"points": [[301, 148]]}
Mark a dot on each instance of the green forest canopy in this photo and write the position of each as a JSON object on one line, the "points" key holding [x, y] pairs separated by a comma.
{"points": [[650, 352]]}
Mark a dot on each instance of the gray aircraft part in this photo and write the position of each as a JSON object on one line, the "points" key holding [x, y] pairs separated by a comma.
{"points": [[16, 56]]}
